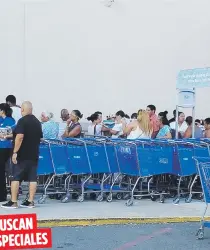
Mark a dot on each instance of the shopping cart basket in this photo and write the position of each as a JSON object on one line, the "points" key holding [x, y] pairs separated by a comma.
{"points": [[118, 186], [89, 157], [201, 149], [203, 164], [60, 163], [80, 168], [143, 159], [186, 169], [100, 165], [45, 167]]}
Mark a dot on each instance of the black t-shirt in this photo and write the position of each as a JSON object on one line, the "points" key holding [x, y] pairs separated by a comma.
{"points": [[31, 128]]}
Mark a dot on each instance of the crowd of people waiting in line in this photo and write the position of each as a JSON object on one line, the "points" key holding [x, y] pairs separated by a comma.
{"points": [[143, 124], [27, 132], [146, 124]]}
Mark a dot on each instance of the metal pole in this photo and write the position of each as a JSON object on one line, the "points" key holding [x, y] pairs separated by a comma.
{"points": [[193, 122], [193, 117]]}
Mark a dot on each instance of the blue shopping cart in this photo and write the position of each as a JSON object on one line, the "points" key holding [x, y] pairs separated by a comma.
{"points": [[45, 166], [106, 163], [118, 186], [203, 164], [90, 156], [201, 149], [186, 169], [156, 159], [160, 153], [143, 159], [54, 151], [80, 167]]}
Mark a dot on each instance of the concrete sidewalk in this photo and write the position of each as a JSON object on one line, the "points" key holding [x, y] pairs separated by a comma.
{"points": [[92, 210]]}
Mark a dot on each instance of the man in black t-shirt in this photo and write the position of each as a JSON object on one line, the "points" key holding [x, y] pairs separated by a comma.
{"points": [[27, 135]]}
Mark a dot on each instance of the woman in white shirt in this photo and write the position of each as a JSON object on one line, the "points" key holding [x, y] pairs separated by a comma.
{"points": [[95, 128], [182, 125], [140, 128]]}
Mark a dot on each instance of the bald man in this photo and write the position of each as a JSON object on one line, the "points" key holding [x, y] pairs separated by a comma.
{"points": [[26, 137], [64, 115]]}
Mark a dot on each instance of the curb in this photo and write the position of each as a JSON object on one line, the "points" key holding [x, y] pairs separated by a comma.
{"points": [[116, 221]]}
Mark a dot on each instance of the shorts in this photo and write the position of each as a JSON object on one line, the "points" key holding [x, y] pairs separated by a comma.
{"points": [[24, 171]]}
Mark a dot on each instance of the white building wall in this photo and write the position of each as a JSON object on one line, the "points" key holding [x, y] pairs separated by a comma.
{"points": [[79, 54]]}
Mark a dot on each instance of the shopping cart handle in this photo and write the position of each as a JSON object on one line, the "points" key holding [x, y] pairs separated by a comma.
{"points": [[48, 141], [123, 141], [206, 140], [202, 159], [73, 140], [96, 137], [69, 139], [163, 141]]}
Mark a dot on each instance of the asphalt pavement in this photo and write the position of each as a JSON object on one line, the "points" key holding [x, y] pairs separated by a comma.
{"points": [[122, 237]]}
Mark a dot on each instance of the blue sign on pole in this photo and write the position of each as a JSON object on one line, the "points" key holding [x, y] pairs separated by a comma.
{"points": [[193, 78]]}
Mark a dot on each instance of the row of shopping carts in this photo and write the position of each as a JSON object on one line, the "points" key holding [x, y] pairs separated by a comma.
{"points": [[103, 167], [118, 168]]}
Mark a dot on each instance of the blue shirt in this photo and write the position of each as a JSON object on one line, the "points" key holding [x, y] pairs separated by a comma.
{"points": [[7, 122], [163, 131], [50, 130]]}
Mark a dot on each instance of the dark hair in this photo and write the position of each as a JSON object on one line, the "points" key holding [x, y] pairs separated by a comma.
{"points": [[163, 114], [163, 117], [151, 107], [64, 111], [93, 117], [121, 113], [127, 116], [198, 120], [78, 113], [207, 121], [189, 120], [134, 116], [6, 108], [11, 99], [179, 113], [98, 113]]}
